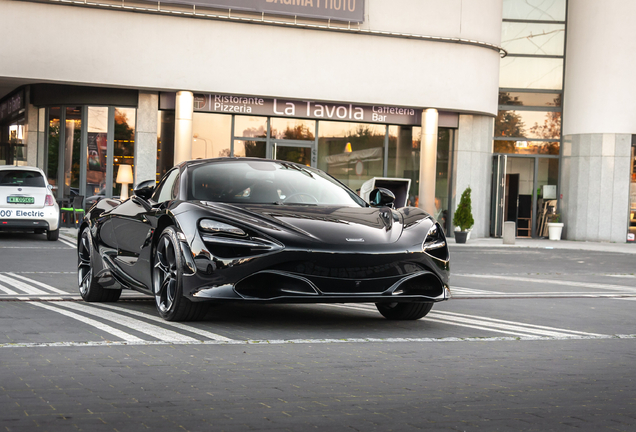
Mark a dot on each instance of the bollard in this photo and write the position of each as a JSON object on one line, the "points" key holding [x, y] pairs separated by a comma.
{"points": [[509, 233]]}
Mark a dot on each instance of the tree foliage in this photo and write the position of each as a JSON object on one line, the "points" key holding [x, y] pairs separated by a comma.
{"points": [[463, 217]]}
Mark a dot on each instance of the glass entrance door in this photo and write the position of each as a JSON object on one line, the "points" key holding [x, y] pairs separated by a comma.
{"points": [[292, 152]]}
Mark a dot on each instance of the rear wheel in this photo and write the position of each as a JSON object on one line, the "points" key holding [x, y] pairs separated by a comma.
{"points": [[90, 289], [404, 311], [52, 235], [167, 281]]}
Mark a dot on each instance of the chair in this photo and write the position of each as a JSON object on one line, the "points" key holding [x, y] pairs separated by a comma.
{"points": [[77, 207]]}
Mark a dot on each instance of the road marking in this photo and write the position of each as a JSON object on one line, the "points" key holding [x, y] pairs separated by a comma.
{"points": [[20, 285], [7, 291], [180, 326], [132, 323], [314, 341], [67, 243], [551, 282], [41, 284], [462, 290], [101, 326], [489, 324]]}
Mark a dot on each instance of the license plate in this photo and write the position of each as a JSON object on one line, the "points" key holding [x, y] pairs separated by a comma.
{"points": [[20, 200]]}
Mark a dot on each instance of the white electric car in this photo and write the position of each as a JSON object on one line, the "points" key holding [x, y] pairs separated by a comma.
{"points": [[26, 201]]}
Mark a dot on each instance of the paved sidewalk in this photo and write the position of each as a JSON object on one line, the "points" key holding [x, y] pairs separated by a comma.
{"points": [[627, 248]]}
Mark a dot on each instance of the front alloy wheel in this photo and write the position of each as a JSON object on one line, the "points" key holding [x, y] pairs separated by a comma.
{"points": [[167, 280], [89, 288]]}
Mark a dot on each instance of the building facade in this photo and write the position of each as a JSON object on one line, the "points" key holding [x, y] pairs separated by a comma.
{"points": [[491, 94]]}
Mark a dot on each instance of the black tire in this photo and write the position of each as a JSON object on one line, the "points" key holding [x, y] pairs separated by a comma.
{"points": [[52, 235], [89, 289], [404, 311], [167, 281]]}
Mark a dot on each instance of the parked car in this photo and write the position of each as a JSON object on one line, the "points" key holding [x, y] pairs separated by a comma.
{"points": [[26, 201], [256, 230]]}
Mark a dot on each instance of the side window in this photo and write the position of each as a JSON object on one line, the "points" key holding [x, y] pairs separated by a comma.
{"points": [[168, 188]]}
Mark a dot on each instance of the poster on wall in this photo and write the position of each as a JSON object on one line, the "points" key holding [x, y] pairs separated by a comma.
{"points": [[96, 173], [338, 10]]}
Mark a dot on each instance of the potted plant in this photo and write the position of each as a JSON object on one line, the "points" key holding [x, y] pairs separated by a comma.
{"points": [[555, 227], [463, 217]]}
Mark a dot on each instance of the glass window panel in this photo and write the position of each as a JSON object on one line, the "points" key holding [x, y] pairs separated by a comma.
{"points": [[257, 149], [545, 10], [533, 38], [53, 156], [351, 152], [73, 128], [528, 124], [527, 147], [97, 129], [250, 127], [124, 143], [529, 72], [165, 143], [301, 155], [441, 176], [530, 99], [632, 194], [548, 175], [14, 146], [404, 157], [212, 135], [293, 129]]}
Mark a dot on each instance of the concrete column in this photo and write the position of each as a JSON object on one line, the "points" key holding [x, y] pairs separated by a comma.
{"points": [[184, 109], [428, 160], [146, 137], [473, 167], [32, 135], [595, 186]]}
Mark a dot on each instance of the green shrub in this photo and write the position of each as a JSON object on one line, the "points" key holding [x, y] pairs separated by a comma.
{"points": [[463, 217]]}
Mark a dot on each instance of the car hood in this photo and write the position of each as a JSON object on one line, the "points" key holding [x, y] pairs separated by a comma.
{"points": [[325, 224]]}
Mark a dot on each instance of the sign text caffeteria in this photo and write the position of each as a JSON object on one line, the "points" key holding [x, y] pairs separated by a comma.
{"points": [[232, 104]]}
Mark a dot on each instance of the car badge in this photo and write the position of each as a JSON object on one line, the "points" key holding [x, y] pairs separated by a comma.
{"points": [[19, 189], [354, 239]]}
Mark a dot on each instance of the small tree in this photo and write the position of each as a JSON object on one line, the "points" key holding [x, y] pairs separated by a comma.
{"points": [[463, 217]]}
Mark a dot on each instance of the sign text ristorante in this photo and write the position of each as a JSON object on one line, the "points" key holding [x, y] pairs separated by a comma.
{"points": [[248, 105]]}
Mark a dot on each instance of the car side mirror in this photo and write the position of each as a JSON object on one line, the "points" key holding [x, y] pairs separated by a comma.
{"points": [[381, 197], [145, 189]]}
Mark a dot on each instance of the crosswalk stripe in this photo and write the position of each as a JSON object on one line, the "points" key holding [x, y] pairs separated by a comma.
{"points": [[550, 282], [41, 284], [188, 328], [495, 320], [490, 324], [67, 243], [461, 290], [132, 323], [20, 285], [89, 321], [7, 291]]}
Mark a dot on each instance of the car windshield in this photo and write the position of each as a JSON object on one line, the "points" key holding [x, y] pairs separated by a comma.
{"points": [[265, 182], [21, 178]]}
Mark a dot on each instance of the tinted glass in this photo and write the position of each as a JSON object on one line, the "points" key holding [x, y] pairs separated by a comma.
{"points": [[250, 127], [256, 149], [97, 148], [527, 147], [53, 156], [124, 142], [531, 73], [21, 178], [530, 99], [544, 10], [73, 128], [256, 182], [212, 135], [532, 38], [165, 189], [292, 129], [528, 124]]}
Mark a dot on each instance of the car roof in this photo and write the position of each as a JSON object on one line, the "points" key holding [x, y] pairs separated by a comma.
{"points": [[21, 168]]}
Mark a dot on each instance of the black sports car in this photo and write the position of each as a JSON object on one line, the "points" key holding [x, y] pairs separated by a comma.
{"points": [[255, 230]]}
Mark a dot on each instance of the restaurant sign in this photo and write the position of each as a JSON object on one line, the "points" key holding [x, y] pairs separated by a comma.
{"points": [[339, 10], [253, 105]]}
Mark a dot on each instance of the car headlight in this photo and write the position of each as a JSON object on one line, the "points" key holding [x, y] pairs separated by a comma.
{"points": [[212, 226], [435, 243]]}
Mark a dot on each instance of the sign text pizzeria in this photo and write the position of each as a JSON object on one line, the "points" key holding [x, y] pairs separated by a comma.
{"points": [[231, 104]]}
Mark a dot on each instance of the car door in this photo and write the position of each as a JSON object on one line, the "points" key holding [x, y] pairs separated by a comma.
{"points": [[134, 222]]}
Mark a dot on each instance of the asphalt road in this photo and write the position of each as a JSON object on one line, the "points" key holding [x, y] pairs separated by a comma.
{"points": [[534, 339]]}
